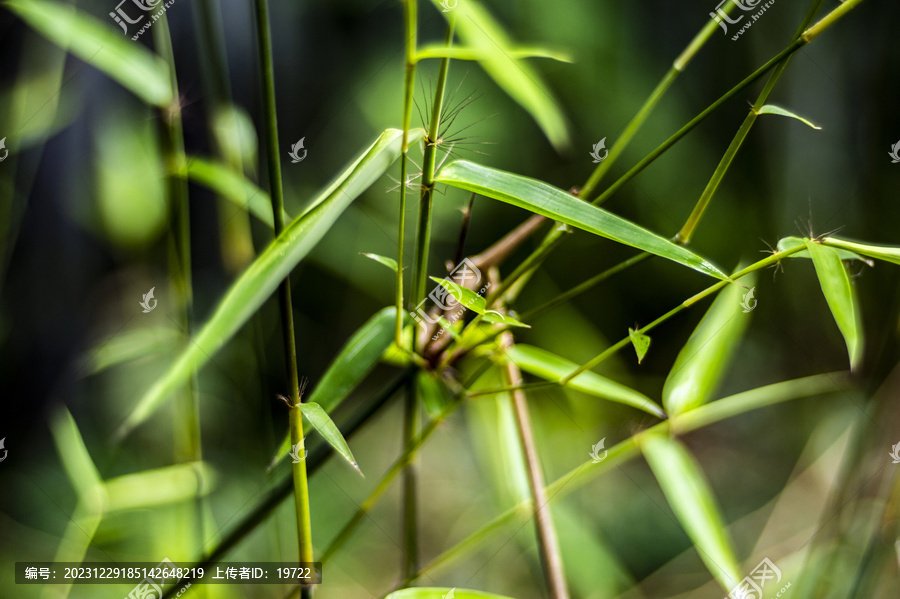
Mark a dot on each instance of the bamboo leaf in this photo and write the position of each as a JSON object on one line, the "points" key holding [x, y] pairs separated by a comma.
{"points": [[232, 186], [705, 358], [323, 423], [541, 198], [841, 300], [389, 262], [881, 252], [263, 276], [145, 74], [772, 109], [787, 243], [551, 367], [76, 460], [692, 500], [640, 342], [150, 488], [443, 593], [434, 393], [464, 53], [472, 301], [481, 33]]}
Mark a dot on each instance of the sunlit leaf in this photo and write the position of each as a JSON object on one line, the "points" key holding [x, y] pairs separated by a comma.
{"points": [[880, 252], [841, 299], [389, 262], [788, 243], [772, 109], [641, 343], [130, 345], [692, 500], [150, 488], [77, 462], [703, 361], [326, 427], [541, 198], [482, 34], [472, 301], [263, 276], [551, 367], [132, 65], [465, 53]]}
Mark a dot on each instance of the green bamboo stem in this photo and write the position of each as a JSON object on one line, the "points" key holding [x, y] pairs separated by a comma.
{"points": [[579, 476], [410, 26], [301, 483]]}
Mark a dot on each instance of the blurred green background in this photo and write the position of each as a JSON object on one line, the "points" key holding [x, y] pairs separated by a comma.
{"points": [[83, 223]]}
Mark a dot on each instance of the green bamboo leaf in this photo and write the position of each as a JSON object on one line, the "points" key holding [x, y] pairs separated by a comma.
{"points": [[389, 262], [76, 460], [232, 186], [353, 363], [692, 500], [640, 342], [772, 109], [705, 358], [130, 345], [132, 65], [841, 300], [463, 53], [789, 243], [541, 198], [551, 367], [472, 301], [434, 393], [443, 593], [263, 276], [880, 252], [151, 488], [322, 422], [481, 33]]}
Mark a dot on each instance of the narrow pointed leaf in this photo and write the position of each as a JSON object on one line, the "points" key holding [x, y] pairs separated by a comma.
{"points": [[880, 252], [389, 262], [476, 303], [541, 198], [481, 33], [133, 66], [772, 109], [443, 593], [151, 488], [465, 53], [326, 427], [77, 462], [232, 186], [263, 276], [551, 367], [640, 342], [692, 500], [787, 243], [353, 363], [703, 361], [841, 300]]}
